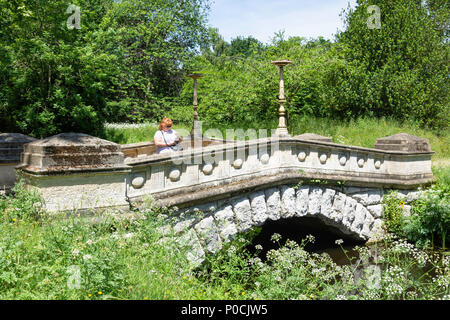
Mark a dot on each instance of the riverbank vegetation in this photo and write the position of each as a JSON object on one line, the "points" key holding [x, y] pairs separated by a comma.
{"points": [[129, 256]]}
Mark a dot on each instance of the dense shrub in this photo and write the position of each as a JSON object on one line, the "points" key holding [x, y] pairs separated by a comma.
{"points": [[429, 223]]}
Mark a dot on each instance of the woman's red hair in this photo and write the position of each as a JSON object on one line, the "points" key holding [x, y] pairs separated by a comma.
{"points": [[165, 122]]}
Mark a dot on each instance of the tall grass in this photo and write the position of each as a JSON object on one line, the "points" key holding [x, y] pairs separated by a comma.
{"points": [[118, 257]]}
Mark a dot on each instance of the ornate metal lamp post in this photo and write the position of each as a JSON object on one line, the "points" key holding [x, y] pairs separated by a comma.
{"points": [[282, 127], [196, 132]]}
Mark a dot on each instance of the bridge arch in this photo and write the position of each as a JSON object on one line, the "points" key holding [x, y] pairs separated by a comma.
{"points": [[354, 212]]}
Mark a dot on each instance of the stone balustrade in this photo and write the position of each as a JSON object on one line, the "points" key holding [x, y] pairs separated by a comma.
{"points": [[75, 171]]}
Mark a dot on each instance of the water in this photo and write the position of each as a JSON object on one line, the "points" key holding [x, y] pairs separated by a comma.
{"points": [[297, 229]]}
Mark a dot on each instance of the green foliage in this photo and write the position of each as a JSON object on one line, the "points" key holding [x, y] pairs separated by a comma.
{"points": [[124, 63], [400, 69], [393, 212], [429, 223], [21, 205]]}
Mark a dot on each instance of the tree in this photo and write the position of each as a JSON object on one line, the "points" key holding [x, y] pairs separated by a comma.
{"points": [[245, 47], [124, 63], [53, 82], [399, 69]]}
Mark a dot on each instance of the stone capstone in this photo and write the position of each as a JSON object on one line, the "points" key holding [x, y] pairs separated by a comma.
{"points": [[11, 146], [71, 152], [403, 142], [259, 208]]}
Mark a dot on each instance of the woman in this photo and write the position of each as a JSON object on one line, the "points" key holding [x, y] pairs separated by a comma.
{"points": [[166, 137]]}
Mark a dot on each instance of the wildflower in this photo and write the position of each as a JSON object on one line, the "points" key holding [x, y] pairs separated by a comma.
{"points": [[87, 257], [75, 252], [89, 295], [128, 235], [310, 238], [89, 242], [100, 292], [231, 251], [243, 293], [275, 237], [339, 242]]}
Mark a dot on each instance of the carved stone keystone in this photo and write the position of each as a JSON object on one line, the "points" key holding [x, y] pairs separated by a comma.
{"points": [[403, 142]]}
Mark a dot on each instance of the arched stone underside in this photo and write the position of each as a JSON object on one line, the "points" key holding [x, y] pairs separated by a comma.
{"points": [[355, 212]]}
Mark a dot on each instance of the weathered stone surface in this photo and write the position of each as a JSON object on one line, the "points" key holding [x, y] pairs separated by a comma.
{"points": [[314, 201], [259, 208], [326, 206], [376, 210], [403, 142], [334, 208], [338, 206], [366, 230], [11, 146], [195, 253], [273, 203], [225, 223], [360, 215], [71, 151], [208, 234], [302, 201], [368, 197], [349, 212], [243, 212], [288, 202]]}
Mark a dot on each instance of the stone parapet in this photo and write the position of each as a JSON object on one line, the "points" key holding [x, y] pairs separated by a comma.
{"points": [[64, 164]]}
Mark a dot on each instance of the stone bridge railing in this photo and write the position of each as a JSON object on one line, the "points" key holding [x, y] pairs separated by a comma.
{"points": [[77, 172]]}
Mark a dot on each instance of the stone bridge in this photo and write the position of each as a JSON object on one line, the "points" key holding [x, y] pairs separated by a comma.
{"points": [[235, 185]]}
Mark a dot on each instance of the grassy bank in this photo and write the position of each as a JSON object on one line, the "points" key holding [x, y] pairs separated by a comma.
{"points": [[53, 257]]}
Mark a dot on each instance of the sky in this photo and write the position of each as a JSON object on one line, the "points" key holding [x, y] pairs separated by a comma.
{"points": [[262, 18]]}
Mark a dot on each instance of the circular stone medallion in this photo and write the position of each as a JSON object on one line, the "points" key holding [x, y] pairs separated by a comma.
{"points": [[207, 168]]}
